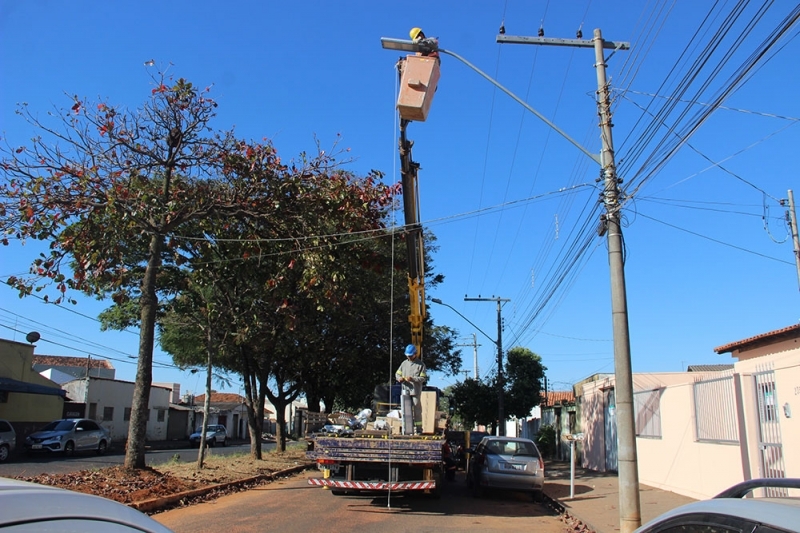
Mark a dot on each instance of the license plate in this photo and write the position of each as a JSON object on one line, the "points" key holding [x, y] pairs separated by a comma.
{"points": [[37, 446], [512, 466]]}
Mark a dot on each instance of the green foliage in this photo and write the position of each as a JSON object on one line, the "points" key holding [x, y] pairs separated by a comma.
{"points": [[523, 377], [546, 440]]}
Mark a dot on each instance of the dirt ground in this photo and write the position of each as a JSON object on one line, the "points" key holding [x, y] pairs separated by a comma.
{"points": [[164, 479]]}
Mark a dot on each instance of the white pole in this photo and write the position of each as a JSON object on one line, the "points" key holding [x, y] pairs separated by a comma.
{"points": [[571, 469]]}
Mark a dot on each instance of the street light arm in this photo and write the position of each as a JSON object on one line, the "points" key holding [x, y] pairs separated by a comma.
{"points": [[594, 157], [438, 301]]}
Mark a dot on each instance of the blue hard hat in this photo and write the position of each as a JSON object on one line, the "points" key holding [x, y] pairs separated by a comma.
{"points": [[411, 350]]}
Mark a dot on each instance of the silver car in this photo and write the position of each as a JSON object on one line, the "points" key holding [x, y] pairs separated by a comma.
{"points": [[506, 463], [69, 436], [216, 434], [778, 512], [31, 507], [8, 440]]}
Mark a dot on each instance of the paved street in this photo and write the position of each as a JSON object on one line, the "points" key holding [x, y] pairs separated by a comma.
{"points": [[46, 463], [293, 505]]}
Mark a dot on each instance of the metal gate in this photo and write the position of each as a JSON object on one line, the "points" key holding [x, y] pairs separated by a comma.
{"points": [[610, 411], [770, 449]]}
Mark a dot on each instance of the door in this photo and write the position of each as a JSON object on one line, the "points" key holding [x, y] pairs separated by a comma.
{"points": [[770, 447], [610, 420], [87, 435]]}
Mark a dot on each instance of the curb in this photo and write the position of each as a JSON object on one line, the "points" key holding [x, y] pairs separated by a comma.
{"points": [[155, 504], [561, 509]]}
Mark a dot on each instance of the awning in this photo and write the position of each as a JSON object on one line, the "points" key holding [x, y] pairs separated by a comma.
{"points": [[13, 385]]}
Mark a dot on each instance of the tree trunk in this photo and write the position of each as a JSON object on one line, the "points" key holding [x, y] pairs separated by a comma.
{"points": [[137, 428], [280, 426], [201, 453]]}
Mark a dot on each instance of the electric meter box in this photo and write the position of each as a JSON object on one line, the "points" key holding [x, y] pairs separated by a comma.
{"points": [[417, 86]]}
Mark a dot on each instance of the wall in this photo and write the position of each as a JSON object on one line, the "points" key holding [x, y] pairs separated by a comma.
{"points": [[119, 396], [786, 365], [26, 411], [676, 461]]}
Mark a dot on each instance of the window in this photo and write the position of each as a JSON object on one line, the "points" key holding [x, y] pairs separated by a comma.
{"points": [[647, 406], [715, 410], [161, 414], [108, 413], [127, 414]]}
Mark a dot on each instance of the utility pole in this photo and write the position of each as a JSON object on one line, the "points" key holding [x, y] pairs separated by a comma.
{"points": [[474, 345], [793, 222], [501, 412], [629, 508]]}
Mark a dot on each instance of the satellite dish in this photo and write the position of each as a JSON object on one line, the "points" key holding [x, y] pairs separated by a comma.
{"points": [[32, 337]]}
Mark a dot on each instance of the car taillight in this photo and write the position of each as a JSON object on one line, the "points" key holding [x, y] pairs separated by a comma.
{"points": [[541, 464], [326, 461]]}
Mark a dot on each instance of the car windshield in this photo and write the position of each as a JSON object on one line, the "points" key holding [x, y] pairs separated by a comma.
{"points": [[511, 448], [59, 425]]}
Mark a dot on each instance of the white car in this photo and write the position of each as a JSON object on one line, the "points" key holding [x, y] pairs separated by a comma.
{"points": [[8, 440], [68, 436], [29, 507], [730, 511], [216, 434]]}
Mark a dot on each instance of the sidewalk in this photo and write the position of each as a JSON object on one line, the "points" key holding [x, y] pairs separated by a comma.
{"points": [[596, 501]]}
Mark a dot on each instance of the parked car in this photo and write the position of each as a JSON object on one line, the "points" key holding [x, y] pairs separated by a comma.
{"points": [[8, 440], [216, 434], [731, 511], [68, 436], [506, 463], [34, 507]]}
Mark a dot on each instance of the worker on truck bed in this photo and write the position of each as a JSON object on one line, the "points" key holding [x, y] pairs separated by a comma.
{"points": [[412, 377]]}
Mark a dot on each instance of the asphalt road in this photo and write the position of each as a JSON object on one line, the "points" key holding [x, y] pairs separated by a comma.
{"points": [[47, 463], [293, 505]]}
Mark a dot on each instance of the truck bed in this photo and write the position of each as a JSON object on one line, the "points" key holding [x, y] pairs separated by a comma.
{"points": [[398, 449]]}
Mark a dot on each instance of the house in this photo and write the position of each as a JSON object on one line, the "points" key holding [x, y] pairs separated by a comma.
{"points": [[27, 400], [76, 367], [701, 431], [229, 409], [110, 402]]}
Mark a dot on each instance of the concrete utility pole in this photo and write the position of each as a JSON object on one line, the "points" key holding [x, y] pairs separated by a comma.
{"points": [[501, 411], [474, 344], [795, 239], [629, 508]]}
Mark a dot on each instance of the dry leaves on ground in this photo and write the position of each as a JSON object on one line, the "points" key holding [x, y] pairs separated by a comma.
{"points": [[169, 478]]}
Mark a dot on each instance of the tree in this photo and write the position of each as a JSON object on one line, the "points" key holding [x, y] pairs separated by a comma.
{"points": [[523, 376], [109, 189], [476, 402]]}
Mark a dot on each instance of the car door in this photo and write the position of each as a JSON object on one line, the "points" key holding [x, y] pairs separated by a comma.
{"points": [[87, 435]]}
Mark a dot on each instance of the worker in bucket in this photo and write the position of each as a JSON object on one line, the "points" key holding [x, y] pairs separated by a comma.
{"points": [[412, 376], [418, 36]]}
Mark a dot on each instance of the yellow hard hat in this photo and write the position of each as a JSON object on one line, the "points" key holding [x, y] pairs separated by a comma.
{"points": [[414, 33]]}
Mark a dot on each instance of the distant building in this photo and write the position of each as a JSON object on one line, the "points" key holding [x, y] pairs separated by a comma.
{"points": [[74, 366]]}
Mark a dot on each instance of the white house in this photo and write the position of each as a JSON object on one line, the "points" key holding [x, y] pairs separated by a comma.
{"points": [[110, 401]]}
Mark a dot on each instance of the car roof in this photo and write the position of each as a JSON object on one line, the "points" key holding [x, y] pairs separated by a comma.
{"points": [[25, 502], [507, 439], [782, 513]]}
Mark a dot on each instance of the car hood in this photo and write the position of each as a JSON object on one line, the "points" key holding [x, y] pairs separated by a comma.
{"points": [[47, 434]]}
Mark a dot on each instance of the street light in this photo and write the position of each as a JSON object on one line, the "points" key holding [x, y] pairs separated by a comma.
{"points": [[438, 301], [501, 423]]}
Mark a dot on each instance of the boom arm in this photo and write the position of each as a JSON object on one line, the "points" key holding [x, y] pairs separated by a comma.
{"points": [[414, 241]]}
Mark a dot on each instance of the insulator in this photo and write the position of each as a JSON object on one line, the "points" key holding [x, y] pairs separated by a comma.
{"points": [[541, 31], [579, 35], [502, 29]]}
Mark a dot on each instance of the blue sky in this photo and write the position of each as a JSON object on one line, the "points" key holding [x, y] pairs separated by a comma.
{"points": [[708, 256]]}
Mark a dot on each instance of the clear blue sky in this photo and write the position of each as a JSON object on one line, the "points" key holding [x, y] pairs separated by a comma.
{"points": [[709, 259]]}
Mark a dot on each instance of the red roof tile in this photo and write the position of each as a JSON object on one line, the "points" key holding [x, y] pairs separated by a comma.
{"points": [[764, 339], [64, 360], [557, 398]]}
